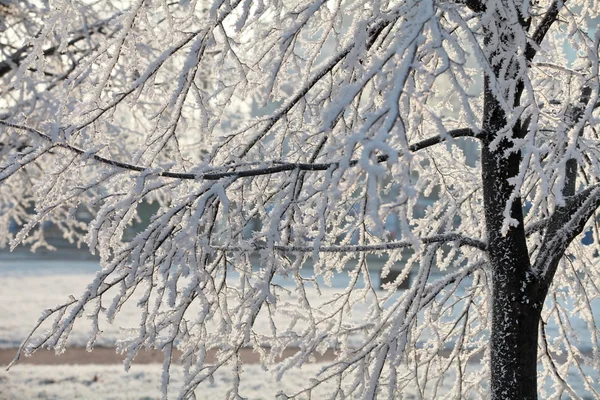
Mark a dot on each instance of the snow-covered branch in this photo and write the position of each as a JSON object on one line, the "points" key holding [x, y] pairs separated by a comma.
{"points": [[566, 223], [543, 27], [278, 166], [13, 61], [229, 161], [454, 238]]}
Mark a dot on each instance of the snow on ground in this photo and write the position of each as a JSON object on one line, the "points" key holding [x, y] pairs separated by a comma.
{"points": [[23, 299], [30, 286], [142, 382]]}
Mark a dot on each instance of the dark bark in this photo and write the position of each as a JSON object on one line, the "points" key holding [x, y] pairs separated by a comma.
{"points": [[520, 289], [277, 168], [515, 312], [516, 303], [513, 341]]}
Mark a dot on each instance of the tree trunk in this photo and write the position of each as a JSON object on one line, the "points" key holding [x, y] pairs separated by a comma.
{"points": [[516, 306], [518, 291], [515, 321]]}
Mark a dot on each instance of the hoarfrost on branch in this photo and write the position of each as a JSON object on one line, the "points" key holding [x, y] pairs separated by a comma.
{"points": [[327, 121]]}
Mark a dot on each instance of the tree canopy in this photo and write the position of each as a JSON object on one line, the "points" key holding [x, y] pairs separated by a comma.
{"points": [[328, 122]]}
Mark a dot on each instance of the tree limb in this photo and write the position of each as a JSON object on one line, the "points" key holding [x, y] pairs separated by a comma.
{"points": [[275, 168], [564, 225], [567, 221], [543, 28], [373, 32], [442, 238], [574, 114]]}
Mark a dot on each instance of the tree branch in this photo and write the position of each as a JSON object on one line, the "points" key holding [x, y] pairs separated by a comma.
{"points": [[536, 226], [15, 59], [276, 167], [564, 225], [543, 28], [574, 114], [442, 238], [373, 32], [567, 221]]}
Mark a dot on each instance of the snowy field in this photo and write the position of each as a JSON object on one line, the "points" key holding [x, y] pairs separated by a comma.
{"points": [[140, 383], [29, 286]]}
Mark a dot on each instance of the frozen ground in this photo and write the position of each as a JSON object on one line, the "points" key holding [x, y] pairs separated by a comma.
{"points": [[141, 382]]}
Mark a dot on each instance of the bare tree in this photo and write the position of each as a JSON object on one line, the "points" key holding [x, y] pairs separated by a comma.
{"points": [[363, 108]]}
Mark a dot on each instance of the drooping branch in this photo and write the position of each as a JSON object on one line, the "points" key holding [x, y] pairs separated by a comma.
{"points": [[373, 33], [276, 167]]}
